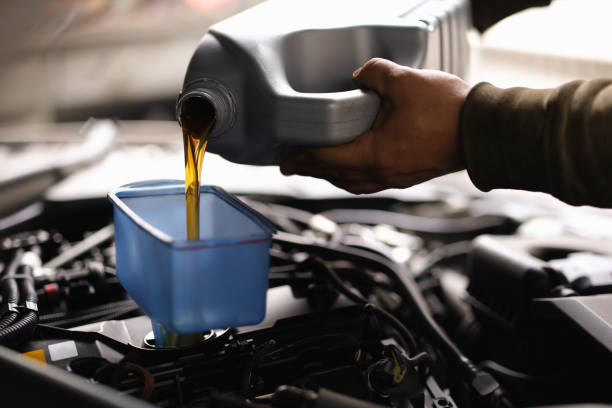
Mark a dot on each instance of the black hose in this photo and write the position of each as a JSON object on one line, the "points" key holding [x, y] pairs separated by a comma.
{"points": [[23, 328], [410, 292], [19, 331], [10, 290], [26, 285], [342, 288], [8, 319]]}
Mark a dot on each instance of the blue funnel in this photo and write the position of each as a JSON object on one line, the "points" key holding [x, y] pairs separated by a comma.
{"points": [[191, 286]]}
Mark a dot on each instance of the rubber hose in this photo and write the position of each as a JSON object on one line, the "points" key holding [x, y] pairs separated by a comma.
{"points": [[10, 293], [19, 331], [28, 291], [23, 328], [10, 290], [8, 319]]}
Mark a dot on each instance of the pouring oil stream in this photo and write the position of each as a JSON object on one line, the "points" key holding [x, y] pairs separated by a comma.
{"points": [[198, 120]]}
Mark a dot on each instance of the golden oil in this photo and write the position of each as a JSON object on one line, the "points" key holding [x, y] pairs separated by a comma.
{"points": [[197, 122]]}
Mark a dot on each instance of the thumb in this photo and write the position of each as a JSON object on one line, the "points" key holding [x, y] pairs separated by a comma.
{"points": [[374, 74]]}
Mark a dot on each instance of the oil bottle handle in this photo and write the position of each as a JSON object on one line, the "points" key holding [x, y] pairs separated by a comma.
{"points": [[324, 119]]}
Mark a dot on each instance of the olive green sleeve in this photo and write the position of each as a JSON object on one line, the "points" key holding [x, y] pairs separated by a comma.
{"points": [[557, 141]]}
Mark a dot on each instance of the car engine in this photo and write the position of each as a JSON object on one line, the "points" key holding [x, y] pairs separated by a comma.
{"points": [[373, 301]]}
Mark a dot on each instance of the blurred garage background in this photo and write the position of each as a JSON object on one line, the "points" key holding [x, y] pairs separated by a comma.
{"points": [[66, 61]]}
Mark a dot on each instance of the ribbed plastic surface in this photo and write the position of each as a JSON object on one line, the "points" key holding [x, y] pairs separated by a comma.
{"points": [[190, 286]]}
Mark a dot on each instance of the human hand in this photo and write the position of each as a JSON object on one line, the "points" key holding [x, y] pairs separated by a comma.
{"points": [[414, 138]]}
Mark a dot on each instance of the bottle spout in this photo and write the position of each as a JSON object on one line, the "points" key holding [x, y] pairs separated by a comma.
{"points": [[207, 99]]}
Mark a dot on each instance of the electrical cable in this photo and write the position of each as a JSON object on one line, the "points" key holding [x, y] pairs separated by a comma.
{"points": [[342, 288], [482, 383]]}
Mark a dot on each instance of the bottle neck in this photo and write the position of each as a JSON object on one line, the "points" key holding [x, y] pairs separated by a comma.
{"points": [[215, 94]]}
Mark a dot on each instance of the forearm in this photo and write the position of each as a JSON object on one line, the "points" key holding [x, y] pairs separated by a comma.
{"points": [[557, 141]]}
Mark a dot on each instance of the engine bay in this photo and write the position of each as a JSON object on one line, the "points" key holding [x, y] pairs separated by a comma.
{"points": [[372, 302], [432, 296]]}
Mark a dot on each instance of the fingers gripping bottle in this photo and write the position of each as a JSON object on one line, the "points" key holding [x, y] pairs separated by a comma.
{"points": [[278, 75]]}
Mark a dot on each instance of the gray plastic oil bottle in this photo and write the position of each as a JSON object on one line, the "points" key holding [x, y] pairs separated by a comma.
{"points": [[278, 75]]}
